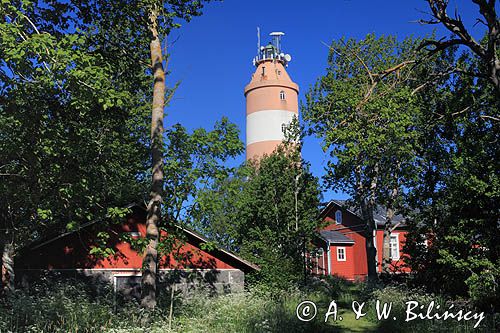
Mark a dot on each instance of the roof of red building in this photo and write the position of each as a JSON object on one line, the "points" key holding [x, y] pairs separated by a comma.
{"points": [[335, 237], [378, 213]]}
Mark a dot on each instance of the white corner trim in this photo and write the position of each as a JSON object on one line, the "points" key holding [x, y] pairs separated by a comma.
{"points": [[329, 255]]}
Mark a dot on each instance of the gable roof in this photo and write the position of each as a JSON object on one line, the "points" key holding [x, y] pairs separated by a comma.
{"points": [[227, 255], [335, 237], [194, 238], [378, 213]]}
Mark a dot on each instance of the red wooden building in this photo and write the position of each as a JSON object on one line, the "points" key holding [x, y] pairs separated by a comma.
{"points": [[191, 264], [341, 249]]}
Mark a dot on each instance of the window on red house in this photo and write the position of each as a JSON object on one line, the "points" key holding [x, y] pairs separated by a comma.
{"points": [[394, 247], [338, 217], [341, 254]]}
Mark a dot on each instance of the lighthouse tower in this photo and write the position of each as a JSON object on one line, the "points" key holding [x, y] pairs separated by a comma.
{"points": [[272, 99]]}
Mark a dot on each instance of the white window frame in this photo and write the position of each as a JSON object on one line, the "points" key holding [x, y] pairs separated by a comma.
{"points": [[338, 214], [121, 275], [392, 249], [341, 249]]}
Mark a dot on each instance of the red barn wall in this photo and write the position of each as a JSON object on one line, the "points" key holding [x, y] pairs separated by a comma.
{"points": [[73, 252]]}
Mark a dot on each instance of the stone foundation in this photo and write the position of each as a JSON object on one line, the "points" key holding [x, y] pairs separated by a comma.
{"points": [[127, 282]]}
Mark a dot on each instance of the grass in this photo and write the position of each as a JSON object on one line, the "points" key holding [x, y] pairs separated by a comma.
{"points": [[343, 293], [70, 306]]}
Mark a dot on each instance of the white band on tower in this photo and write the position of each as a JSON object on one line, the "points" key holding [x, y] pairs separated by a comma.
{"points": [[267, 125]]}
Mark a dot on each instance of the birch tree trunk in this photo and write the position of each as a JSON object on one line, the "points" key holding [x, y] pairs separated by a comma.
{"points": [[150, 261], [7, 269]]}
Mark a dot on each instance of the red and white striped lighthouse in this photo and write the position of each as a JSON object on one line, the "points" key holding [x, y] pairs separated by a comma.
{"points": [[272, 100]]}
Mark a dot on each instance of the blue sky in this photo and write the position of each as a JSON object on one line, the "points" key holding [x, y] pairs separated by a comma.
{"points": [[212, 54]]}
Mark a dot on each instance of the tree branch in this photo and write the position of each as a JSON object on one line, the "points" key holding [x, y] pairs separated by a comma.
{"points": [[487, 53]]}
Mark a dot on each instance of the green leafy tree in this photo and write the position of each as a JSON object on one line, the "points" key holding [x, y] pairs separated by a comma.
{"points": [[72, 124], [457, 189], [193, 162], [267, 211], [75, 90], [364, 110]]}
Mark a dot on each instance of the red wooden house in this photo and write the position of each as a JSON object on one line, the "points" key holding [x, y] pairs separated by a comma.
{"points": [[341, 248], [191, 264]]}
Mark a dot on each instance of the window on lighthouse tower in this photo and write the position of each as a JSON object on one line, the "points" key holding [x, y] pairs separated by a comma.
{"points": [[282, 95], [284, 128]]}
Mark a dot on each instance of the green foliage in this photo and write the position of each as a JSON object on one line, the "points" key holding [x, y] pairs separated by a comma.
{"points": [[74, 307], [392, 118], [73, 122], [364, 117], [117, 214], [70, 305], [457, 189], [192, 161], [267, 211], [254, 311]]}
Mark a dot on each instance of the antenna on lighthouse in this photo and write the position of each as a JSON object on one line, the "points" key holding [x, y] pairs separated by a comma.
{"points": [[277, 39], [258, 40], [272, 51]]}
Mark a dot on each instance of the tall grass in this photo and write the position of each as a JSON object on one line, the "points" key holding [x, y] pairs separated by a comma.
{"points": [[245, 312], [72, 306]]}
